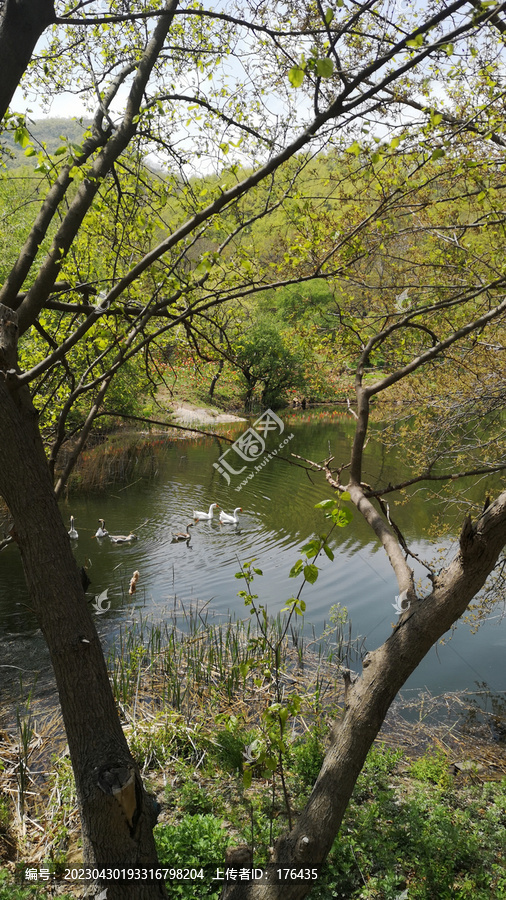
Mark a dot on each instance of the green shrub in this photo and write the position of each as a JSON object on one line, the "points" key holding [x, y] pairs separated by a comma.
{"points": [[195, 842], [11, 891], [307, 757], [230, 749], [194, 799], [432, 767]]}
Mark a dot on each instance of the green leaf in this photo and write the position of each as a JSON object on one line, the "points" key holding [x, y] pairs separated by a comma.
{"points": [[21, 136], [341, 517], [345, 496], [355, 149], [244, 668], [247, 777], [296, 569], [324, 67], [328, 552], [329, 15], [311, 548], [310, 573], [325, 504], [296, 76], [438, 153]]}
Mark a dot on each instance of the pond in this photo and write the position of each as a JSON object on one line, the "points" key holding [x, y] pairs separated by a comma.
{"points": [[278, 516]]}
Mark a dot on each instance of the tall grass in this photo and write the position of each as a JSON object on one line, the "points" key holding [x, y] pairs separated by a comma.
{"points": [[117, 460], [26, 731], [195, 656]]}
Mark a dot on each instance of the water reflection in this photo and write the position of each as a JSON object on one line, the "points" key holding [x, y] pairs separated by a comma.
{"points": [[278, 517]]}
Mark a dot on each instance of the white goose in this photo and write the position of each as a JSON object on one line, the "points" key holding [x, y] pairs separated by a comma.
{"points": [[123, 538], [233, 519], [101, 531], [205, 515], [72, 531]]}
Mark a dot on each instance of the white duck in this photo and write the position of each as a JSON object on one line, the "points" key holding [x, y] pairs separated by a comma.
{"points": [[208, 515], [123, 538], [101, 531], [233, 519], [72, 531]]}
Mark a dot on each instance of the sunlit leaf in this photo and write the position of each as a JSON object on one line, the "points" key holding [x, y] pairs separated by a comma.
{"points": [[296, 76], [341, 517]]}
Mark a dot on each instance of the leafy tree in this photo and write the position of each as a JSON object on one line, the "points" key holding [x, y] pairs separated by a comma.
{"points": [[264, 359], [299, 78]]}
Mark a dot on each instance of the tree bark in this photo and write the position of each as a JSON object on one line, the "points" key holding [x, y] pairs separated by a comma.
{"points": [[21, 25], [369, 698], [117, 815]]}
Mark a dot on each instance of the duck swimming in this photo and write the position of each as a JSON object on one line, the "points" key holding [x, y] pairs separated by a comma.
{"points": [[205, 515], [226, 518], [133, 582], [123, 538], [101, 531], [182, 535]]}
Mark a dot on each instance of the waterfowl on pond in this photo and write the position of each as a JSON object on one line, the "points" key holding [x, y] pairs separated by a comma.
{"points": [[226, 518], [72, 531], [101, 531], [182, 535], [123, 538], [133, 582], [205, 515]]}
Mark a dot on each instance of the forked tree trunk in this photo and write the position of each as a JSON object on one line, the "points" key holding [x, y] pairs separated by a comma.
{"points": [[368, 700], [117, 815]]}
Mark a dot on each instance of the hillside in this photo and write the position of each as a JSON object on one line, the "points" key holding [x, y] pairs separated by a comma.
{"points": [[50, 132]]}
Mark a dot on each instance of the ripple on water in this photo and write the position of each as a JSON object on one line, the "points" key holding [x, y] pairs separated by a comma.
{"points": [[278, 517]]}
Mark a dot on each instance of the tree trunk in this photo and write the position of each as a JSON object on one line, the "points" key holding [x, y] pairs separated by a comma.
{"points": [[117, 815], [21, 26], [369, 698], [214, 379]]}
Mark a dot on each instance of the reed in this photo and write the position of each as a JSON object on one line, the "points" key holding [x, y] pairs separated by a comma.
{"points": [[196, 659], [26, 735], [117, 460]]}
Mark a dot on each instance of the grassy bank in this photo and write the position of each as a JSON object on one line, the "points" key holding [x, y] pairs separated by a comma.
{"points": [[230, 741]]}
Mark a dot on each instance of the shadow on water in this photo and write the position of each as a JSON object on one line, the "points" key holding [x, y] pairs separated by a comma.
{"points": [[278, 516]]}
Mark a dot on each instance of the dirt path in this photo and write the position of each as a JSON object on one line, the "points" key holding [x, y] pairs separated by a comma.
{"points": [[188, 414]]}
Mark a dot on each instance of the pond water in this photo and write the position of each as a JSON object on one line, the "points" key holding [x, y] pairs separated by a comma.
{"points": [[278, 516]]}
